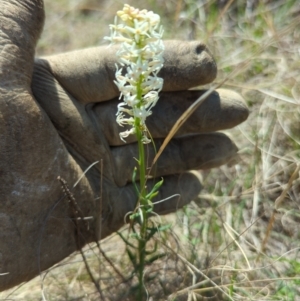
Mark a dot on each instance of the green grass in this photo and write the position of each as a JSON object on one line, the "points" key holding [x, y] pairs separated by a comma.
{"points": [[219, 245]]}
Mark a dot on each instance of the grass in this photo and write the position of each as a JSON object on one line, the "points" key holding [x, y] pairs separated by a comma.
{"points": [[235, 242]]}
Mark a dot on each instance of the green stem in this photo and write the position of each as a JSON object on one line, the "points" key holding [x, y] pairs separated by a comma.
{"points": [[143, 217], [142, 200]]}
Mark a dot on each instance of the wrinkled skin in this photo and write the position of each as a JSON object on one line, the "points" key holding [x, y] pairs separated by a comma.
{"points": [[58, 117]]}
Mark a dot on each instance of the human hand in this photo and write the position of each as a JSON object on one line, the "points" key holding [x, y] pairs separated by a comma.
{"points": [[58, 118]]}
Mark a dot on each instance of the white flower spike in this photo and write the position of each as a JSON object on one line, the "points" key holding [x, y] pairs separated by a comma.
{"points": [[140, 58]]}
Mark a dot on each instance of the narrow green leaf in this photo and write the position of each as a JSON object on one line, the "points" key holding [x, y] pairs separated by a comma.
{"points": [[126, 240], [132, 258]]}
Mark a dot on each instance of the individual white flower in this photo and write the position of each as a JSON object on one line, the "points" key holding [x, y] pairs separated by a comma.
{"points": [[131, 101], [140, 57], [123, 121], [125, 134], [152, 83], [150, 99], [142, 113], [122, 109], [140, 68]]}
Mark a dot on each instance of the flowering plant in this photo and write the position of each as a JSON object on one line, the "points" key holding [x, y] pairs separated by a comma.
{"points": [[140, 59]]}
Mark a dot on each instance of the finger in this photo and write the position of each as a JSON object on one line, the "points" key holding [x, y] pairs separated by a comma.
{"points": [[187, 186], [202, 151], [223, 109], [176, 192], [88, 74], [187, 65]]}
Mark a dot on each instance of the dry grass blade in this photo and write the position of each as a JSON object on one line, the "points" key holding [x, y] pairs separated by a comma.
{"points": [[204, 276], [182, 119], [278, 202]]}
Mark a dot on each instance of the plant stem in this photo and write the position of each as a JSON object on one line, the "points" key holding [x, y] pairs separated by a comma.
{"points": [[142, 198], [143, 213]]}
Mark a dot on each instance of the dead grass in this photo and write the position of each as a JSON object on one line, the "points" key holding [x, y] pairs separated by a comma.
{"points": [[235, 242]]}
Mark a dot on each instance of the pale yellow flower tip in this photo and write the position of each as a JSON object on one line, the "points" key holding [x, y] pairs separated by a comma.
{"points": [[129, 13]]}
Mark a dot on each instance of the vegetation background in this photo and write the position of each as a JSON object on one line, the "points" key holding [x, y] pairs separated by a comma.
{"points": [[240, 240]]}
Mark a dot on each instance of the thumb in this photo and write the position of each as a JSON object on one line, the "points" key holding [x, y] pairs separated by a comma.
{"points": [[18, 38]]}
